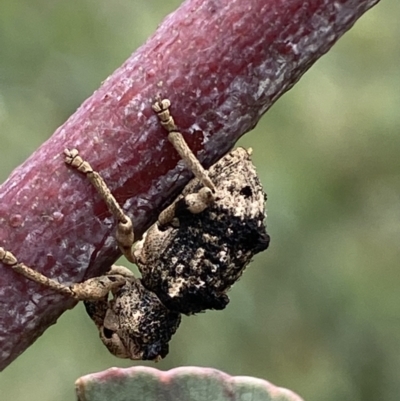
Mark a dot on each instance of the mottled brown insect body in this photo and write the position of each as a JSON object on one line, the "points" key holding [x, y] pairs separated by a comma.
{"points": [[192, 261], [189, 258]]}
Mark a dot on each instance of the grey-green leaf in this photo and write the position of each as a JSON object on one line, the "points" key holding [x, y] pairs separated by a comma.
{"points": [[181, 384]]}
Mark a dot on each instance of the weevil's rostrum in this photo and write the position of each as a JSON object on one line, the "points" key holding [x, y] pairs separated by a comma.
{"points": [[189, 259]]}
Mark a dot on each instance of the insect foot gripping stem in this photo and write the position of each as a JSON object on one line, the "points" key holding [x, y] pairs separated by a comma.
{"points": [[124, 234], [192, 261], [161, 108]]}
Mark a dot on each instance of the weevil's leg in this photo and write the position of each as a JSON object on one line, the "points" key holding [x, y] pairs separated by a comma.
{"points": [[197, 202], [93, 289], [9, 259], [121, 271], [194, 203], [97, 288], [161, 107], [124, 234]]}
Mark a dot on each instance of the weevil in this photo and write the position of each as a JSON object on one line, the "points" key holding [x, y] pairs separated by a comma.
{"points": [[188, 260]]}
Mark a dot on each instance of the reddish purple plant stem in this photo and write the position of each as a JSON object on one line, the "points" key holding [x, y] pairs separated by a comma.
{"points": [[222, 64]]}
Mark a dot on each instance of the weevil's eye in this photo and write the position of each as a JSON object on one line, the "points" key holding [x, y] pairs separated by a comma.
{"points": [[107, 332], [114, 344]]}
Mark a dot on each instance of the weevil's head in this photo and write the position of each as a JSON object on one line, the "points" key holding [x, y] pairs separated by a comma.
{"points": [[137, 325]]}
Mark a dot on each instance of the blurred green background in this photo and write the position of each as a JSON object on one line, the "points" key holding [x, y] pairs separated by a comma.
{"points": [[319, 312]]}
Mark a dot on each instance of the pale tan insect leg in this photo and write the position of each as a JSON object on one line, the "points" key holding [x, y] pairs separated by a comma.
{"points": [[10, 260], [196, 202], [161, 107], [124, 235], [92, 289]]}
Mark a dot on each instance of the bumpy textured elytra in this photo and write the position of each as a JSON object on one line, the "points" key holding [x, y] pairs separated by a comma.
{"points": [[192, 261], [188, 259]]}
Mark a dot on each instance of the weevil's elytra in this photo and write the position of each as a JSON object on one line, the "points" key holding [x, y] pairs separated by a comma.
{"points": [[189, 258], [191, 265]]}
